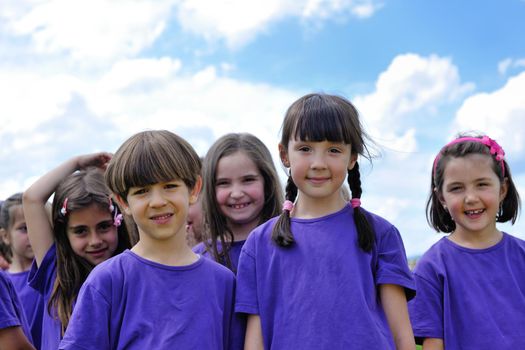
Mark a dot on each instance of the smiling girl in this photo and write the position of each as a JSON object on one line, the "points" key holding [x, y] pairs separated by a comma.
{"points": [[471, 283], [86, 229]]}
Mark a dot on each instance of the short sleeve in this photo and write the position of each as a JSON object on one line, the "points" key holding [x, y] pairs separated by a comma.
{"points": [[392, 264], [8, 313], [41, 278], [426, 310], [89, 325], [246, 292]]}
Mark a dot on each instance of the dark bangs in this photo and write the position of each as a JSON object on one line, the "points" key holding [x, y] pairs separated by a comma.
{"points": [[319, 117], [151, 157]]}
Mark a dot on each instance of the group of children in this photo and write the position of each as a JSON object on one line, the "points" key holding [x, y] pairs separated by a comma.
{"points": [[110, 267]]}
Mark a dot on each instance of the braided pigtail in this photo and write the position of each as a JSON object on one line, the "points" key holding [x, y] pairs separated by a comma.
{"points": [[282, 233], [365, 232]]}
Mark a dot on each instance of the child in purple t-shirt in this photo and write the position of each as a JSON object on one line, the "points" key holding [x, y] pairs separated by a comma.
{"points": [[86, 229], [13, 223], [158, 295], [326, 274], [241, 191], [14, 329], [471, 283]]}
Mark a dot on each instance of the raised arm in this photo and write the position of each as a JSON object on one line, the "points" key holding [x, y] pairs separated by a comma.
{"points": [[394, 304], [39, 227]]}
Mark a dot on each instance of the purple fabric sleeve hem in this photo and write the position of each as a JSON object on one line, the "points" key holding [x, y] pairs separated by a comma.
{"points": [[246, 309]]}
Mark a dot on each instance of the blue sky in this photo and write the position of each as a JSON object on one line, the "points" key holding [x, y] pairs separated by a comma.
{"points": [[79, 77]]}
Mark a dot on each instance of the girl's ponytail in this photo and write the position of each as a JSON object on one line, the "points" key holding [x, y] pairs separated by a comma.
{"points": [[282, 233], [365, 232]]}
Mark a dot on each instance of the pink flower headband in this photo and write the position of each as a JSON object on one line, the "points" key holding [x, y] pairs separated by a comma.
{"points": [[494, 147], [117, 218]]}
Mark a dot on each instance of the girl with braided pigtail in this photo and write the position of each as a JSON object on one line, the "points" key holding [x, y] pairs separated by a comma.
{"points": [[326, 273]]}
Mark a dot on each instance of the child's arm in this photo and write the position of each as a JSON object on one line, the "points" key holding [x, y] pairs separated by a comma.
{"points": [[39, 228], [254, 338], [394, 304], [14, 338], [433, 344]]}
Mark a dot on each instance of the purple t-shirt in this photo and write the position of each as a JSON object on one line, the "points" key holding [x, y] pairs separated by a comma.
{"points": [[42, 279], [238, 326], [471, 298], [32, 302], [128, 302], [11, 310], [322, 293]]}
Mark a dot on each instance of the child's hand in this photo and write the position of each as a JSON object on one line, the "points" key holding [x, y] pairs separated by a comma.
{"points": [[99, 160], [4, 265]]}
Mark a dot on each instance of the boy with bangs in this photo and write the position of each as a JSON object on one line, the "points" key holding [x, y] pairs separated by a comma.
{"points": [[159, 294]]}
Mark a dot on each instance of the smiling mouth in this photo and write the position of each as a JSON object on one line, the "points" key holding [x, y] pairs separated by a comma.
{"points": [[161, 217], [239, 206], [97, 252], [474, 212]]}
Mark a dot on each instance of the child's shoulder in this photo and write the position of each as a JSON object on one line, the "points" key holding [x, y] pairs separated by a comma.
{"points": [[217, 269]]}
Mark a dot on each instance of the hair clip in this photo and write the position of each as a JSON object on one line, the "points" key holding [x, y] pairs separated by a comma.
{"points": [[355, 202], [111, 206], [117, 219], [287, 205], [494, 148], [63, 211]]}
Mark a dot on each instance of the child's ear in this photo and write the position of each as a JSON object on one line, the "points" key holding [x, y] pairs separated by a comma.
{"points": [[122, 203], [503, 189], [439, 196], [353, 160], [283, 154], [194, 195], [4, 237]]}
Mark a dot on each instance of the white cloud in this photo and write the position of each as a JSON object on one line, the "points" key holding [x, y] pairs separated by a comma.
{"points": [[410, 84], [97, 29], [498, 113], [506, 64], [239, 21]]}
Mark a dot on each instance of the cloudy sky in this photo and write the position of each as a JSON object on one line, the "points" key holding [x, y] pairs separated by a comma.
{"points": [[82, 76]]}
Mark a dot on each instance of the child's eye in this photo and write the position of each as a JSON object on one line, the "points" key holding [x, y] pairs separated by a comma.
{"points": [[22, 229], [80, 231], [139, 191], [304, 149], [250, 179], [105, 226], [335, 150], [222, 183], [171, 185]]}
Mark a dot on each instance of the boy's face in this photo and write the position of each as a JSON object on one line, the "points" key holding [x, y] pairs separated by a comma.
{"points": [[160, 210]]}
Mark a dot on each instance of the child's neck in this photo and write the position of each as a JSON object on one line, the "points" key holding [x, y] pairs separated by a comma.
{"points": [[19, 264], [311, 208], [476, 240], [172, 252], [241, 232]]}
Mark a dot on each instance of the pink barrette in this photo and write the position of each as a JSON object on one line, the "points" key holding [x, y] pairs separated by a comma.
{"points": [[111, 206], [63, 211], [287, 205], [117, 220], [355, 202], [495, 149]]}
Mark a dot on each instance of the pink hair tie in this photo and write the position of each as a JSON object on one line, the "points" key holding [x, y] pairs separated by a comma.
{"points": [[287, 205], [355, 202], [63, 211]]}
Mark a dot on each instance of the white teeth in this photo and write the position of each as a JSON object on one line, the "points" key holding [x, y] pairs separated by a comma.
{"points": [[238, 206], [474, 212]]}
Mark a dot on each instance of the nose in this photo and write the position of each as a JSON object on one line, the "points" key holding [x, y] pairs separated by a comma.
{"points": [[318, 161], [95, 240], [236, 191], [470, 197], [157, 199]]}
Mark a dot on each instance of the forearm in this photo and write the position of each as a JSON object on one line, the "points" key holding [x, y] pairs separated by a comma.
{"points": [[254, 338], [394, 304]]}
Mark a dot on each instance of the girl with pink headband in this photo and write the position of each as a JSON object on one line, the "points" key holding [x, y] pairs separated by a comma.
{"points": [[326, 273], [471, 283]]}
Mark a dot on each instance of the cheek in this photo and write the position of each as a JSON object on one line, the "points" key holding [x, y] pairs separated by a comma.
{"points": [[77, 243], [221, 195]]}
